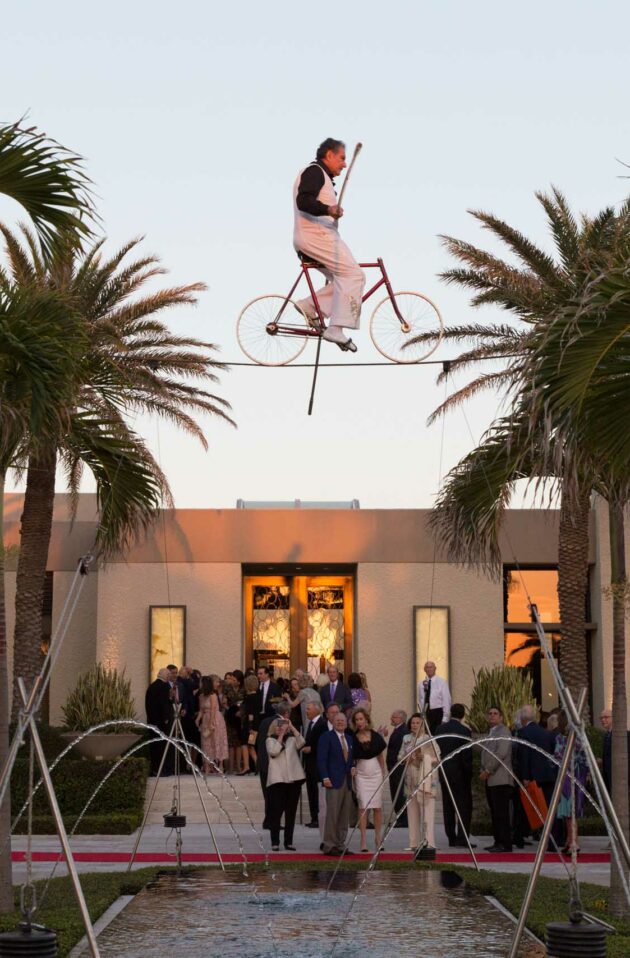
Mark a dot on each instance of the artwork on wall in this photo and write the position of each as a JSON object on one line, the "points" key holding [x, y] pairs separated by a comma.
{"points": [[431, 638], [167, 637]]}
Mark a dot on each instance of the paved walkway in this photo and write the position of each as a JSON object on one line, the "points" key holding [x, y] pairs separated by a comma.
{"points": [[112, 852]]}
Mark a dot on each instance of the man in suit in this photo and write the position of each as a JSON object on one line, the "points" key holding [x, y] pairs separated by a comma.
{"points": [[456, 772], [159, 708], [496, 767], [283, 710], [396, 778], [334, 764], [606, 718], [316, 727], [269, 694], [530, 765], [336, 691]]}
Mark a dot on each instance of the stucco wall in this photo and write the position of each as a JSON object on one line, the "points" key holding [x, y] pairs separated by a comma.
{"points": [[386, 594], [78, 652], [211, 593]]}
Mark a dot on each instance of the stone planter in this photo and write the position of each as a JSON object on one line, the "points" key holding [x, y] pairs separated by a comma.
{"points": [[100, 745]]}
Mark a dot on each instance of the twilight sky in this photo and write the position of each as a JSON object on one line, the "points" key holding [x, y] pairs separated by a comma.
{"points": [[194, 119]]}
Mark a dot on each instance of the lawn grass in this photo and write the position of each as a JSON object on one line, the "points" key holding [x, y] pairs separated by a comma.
{"points": [[60, 911]]}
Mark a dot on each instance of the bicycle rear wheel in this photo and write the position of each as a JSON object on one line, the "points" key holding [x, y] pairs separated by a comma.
{"points": [[256, 330], [393, 340]]}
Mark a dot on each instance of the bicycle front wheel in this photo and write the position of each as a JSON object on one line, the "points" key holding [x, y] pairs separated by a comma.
{"points": [[258, 335], [394, 339]]}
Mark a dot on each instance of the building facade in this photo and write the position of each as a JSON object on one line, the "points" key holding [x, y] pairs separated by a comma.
{"points": [[365, 588]]}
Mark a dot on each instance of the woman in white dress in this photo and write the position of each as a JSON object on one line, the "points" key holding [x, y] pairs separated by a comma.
{"points": [[369, 753], [420, 768]]}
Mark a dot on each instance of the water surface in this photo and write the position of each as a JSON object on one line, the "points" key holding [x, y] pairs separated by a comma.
{"points": [[282, 914]]}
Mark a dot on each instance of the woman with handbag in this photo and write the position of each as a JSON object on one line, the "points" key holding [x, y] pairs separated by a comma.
{"points": [[284, 779], [248, 732], [420, 782]]}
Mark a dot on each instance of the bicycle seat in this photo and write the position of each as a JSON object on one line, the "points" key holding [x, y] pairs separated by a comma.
{"points": [[309, 261]]}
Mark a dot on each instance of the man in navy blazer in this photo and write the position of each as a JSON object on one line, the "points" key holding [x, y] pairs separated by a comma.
{"points": [[336, 691], [335, 767], [531, 766]]}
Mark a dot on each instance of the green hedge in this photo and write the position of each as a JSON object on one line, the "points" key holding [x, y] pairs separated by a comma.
{"points": [[117, 808], [110, 823]]}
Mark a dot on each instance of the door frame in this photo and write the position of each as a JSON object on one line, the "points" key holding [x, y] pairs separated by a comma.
{"points": [[299, 583]]}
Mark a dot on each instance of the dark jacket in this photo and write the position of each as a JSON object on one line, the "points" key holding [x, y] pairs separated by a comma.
{"points": [[607, 760], [274, 695], [330, 763], [530, 765], [393, 746], [185, 695], [460, 766], [159, 705], [262, 754], [311, 739], [343, 696]]}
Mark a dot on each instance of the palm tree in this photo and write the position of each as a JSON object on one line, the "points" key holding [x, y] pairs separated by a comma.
{"points": [[580, 384], [48, 181], [470, 507], [133, 364], [40, 340]]}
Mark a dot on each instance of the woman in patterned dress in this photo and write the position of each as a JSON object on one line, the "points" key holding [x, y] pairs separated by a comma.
{"points": [[214, 743]]}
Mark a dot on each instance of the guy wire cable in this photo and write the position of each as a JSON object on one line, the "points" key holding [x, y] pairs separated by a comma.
{"points": [[446, 367]]}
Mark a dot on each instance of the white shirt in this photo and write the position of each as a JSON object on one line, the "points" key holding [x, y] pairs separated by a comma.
{"points": [[264, 688], [440, 697]]}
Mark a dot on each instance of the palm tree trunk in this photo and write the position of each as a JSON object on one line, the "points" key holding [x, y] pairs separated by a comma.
{"points": [[619, 584], [35, 535], [6, 888], [572, 581]]}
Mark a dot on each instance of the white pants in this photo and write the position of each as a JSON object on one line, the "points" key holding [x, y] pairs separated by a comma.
{"points": [[340, 298], [421, 818]]}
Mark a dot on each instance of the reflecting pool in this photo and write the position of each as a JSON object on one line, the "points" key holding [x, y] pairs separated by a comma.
{"points": [[288, 913]]}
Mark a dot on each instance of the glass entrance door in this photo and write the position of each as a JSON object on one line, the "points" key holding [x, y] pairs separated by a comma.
{"points": [[298, 621]]}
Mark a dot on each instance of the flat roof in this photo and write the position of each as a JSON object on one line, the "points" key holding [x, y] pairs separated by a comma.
{"points": [[292, 536]]}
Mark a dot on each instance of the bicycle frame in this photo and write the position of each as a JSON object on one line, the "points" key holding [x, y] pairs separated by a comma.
{"points": [[313, 332]]}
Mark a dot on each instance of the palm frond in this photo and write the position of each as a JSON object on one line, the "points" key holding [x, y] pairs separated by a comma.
{"points": [[48, 181]]}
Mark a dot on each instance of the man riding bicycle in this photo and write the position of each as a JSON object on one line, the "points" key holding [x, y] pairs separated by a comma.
{"points": [[316, 237]]}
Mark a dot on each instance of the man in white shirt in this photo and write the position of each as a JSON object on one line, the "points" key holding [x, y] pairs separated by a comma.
{"points": [[434, 697], [316, 237]]}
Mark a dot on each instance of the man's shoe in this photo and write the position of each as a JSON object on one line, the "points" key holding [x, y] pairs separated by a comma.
{"points": [[348, 347], [493, 848], [312, 825]]}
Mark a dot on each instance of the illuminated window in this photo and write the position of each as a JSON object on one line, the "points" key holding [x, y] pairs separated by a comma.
{"points": [[541, 585], [522, 649], [431, 640], [168, 636]]}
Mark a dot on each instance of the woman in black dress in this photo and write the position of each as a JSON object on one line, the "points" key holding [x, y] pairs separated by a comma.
{"points": [[369, 754], [248, 732]]}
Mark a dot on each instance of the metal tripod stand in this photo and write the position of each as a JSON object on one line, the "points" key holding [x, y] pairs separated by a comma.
{"points": [[176, 736]]}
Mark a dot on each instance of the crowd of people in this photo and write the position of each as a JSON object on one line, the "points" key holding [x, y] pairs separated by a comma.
{"points": [[319, 733]]}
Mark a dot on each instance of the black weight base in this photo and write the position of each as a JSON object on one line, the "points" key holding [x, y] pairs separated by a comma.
{"points": [[174, 821], [425, 854], [565, 940], [35, 943]]}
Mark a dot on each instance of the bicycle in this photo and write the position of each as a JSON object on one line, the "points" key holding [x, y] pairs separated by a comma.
{"points": [[269, 338]]}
